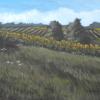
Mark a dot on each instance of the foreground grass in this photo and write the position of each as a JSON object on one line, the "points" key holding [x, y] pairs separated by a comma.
{"points": [[34, 73]]}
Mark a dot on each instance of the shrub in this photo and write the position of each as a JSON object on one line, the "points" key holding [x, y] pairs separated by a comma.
{"points": [[56, 28]]}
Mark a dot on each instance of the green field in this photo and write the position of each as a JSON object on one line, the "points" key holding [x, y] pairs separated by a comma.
{"points": [[34, 73]]}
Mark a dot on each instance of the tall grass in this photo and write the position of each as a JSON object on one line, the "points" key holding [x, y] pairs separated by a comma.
{"points": [[34, 73]]}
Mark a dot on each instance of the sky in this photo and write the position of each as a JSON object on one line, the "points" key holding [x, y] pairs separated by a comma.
{"points": [[44, 11]]}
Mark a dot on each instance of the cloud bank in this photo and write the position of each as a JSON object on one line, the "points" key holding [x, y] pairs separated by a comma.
{"points": [[63, 15]]}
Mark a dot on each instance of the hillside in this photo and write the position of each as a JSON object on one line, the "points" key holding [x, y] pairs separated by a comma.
{"points": [[35, 30], [34, 73], [94, 25], [73, 31]]}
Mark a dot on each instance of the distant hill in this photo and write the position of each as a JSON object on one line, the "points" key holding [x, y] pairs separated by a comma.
{"points": [[95, 25], [21, 25]]}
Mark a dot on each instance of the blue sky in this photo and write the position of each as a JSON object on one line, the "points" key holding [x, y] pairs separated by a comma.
{"points": [[12, 10], [44, 5]]}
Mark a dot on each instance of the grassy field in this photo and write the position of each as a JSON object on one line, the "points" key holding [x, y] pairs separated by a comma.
{"points": [[34, 73]]}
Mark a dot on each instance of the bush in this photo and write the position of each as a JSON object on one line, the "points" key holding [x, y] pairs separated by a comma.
{"points": [[56, 28]]}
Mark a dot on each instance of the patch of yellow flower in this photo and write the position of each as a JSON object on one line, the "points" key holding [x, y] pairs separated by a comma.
{"points": [[51, 42]]}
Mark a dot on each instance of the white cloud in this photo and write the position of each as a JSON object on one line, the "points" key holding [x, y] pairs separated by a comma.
{"points": [[63, 15]]}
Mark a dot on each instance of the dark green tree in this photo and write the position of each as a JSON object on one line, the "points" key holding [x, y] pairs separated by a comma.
{"points": [[56, 28], [79, 33]]}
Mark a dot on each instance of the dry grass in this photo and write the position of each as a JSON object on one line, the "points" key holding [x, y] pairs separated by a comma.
{"points": [[34, 73]]}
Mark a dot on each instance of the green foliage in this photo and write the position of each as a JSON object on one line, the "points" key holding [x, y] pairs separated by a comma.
{"points": [[57, 32], [85, 39], [34, 73], [77, 32]]}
